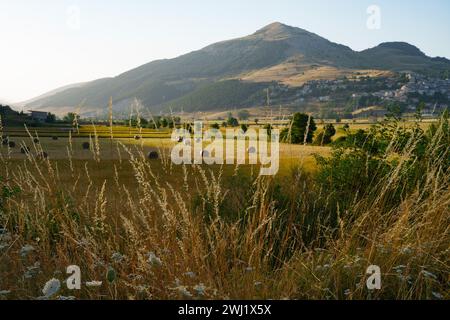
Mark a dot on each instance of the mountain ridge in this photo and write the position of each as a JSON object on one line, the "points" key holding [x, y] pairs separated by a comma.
{"points": [[159, 83]]}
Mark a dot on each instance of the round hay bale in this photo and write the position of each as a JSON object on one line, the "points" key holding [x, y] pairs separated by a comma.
{"points": [[24, 150], [204, 154], [153, 155], [42, 155], [137, 137], [251, 150], [36, 140], [55, 138], [11, 144], [86, 145]]}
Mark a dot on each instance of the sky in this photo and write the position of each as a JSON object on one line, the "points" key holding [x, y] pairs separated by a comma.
{"points": [[47, 44]]}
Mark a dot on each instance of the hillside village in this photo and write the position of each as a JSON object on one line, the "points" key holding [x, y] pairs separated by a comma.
{"points": [[364, 96]]}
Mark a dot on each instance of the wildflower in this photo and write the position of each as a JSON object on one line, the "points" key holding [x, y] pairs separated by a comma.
{"points": [[200, 289], [428, 274], [33, 270], [94, 283], [117, 257], [437, 295], [25, 250], [399, 268], [190, 274], [406, 250], [153, 260], [184, 292], [51, 287]]}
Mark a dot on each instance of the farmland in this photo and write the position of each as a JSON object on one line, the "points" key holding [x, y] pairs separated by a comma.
{"points": [[142, 228]]}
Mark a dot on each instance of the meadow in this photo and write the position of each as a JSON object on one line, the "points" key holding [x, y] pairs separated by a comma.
{"points": [[143, 228]]}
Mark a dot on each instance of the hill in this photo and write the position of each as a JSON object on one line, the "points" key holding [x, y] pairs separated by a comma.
{"points": [[233, 73]]}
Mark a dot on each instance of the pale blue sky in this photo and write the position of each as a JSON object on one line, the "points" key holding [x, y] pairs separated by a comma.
{"points": [[43, 46]]}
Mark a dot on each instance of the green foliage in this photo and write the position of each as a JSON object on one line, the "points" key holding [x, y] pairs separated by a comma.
{"points": [[232, 122], [222, 94], [6, 192], [325, 136], [302, 126], [364, 158], [70, 118], [215, 126], [244, 128]]}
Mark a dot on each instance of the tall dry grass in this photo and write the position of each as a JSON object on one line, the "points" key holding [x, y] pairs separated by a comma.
{"points": [[149, 230]]}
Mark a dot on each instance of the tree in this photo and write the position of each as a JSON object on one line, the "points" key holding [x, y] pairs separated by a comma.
{"points": [[51, 118], [244, 128], [243, 115], [328, 132], [301, 129], [71, 117], [256, 121], [232, 122], [215, 126], [164, 123]]}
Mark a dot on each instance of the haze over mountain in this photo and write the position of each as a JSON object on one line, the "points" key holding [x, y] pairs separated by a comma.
{"points": [[232, 73]]}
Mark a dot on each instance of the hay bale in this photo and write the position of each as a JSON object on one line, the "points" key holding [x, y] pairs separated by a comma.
{"points": [[11, 144], [86, 145], [24, 150], [42, 155], [251, 150], [204, 154], [153, 155]]}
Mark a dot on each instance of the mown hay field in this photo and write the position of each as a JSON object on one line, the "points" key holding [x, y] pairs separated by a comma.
{"points": [[143, 228]]}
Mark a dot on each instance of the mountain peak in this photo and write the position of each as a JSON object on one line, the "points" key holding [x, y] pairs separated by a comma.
{"points": [[404, 47], [276, 31]]}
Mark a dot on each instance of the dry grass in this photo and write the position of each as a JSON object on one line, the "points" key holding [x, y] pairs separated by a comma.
{"points": [[152, 230]]}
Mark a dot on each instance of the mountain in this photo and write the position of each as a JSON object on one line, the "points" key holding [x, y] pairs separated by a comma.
{"points": [[51, 93], [234, 73]]}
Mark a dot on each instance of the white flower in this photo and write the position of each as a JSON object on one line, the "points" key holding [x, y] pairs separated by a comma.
{"points": [[94, 283], [428, 274], [184, 292], [51, 287], [154, 260], [26, 249], [200, 289], [33, 270], [407, 250], [117, 257], [190, 274], [437, 295]]}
